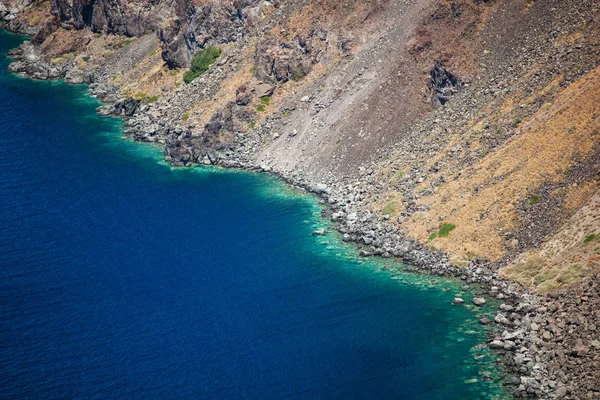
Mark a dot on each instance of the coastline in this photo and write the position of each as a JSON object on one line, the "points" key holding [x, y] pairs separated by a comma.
{"points": [[520, 313]]}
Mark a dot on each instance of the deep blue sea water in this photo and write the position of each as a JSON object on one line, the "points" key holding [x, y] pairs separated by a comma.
{"points": [[121, 277]]}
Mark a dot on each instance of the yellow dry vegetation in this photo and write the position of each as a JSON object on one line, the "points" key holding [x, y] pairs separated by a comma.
{"points": [[150, 77], [549, 143], [573, 252], [35, 13], [336, 14]]}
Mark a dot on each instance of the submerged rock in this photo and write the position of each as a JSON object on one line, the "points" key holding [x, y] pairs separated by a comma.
{"points": [[478, 301]]}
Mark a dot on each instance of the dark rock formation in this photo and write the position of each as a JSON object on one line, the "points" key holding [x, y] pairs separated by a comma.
{"points": [[276, 61], [214, 23], [126, 107], [442, 84], [131, 18]]}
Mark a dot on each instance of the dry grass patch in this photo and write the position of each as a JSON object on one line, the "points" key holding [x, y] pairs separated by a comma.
{"points": [[550, 143], [538, 273]]}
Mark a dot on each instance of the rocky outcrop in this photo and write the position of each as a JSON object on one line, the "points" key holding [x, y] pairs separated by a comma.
{"points": [[442, 84], [210, 23], [276, 61], [27, 60], [131, 18], [9, 9]]}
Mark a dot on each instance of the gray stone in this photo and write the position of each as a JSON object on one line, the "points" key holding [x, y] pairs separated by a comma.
{"points": [[264, 89], [478, 301]]}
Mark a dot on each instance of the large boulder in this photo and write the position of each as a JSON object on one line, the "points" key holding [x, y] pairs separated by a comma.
{"points": [[276, 61]]}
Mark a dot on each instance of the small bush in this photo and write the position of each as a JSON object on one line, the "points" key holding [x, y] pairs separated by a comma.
{"points": [[107, 54], [143, 97], [533, 200], [97, 35], [185, 117], [260, 108], [589, 238], [432, 236], [265, 100], [126, 42], [252, 124], [251, 70], [201, 61], [446, 229]]}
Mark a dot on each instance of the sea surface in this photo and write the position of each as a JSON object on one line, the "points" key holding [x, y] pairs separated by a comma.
{"points": [[123, 278]]}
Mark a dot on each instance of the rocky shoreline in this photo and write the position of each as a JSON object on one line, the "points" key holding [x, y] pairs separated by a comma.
{"points": [[543, 342]]}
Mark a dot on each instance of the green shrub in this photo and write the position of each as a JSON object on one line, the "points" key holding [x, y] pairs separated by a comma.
{"points": [[260, 108], [143, 97], [589, 238], [265, 100], [185, 117], [534, 199], [201, 61], [446, 229], [126, 42], [432, 236], [252, 124]]}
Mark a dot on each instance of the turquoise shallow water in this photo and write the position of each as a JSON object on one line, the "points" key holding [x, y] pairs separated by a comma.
{"points": [[121, 277]]}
